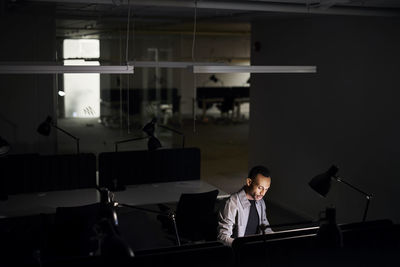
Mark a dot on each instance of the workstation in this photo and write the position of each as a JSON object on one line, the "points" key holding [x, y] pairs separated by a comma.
{"points": [[227, 99]]}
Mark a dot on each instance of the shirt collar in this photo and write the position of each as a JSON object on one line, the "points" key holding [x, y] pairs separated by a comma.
{"points": [[243, 199]]}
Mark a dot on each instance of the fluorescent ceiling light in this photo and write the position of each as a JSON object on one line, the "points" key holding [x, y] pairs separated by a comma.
{"points": [[197, 67], [161, 64], [54, 69], [171, 64], [254, 69], [211, 67]]}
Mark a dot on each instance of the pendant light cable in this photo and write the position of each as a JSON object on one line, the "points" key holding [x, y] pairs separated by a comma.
{"points": [[193, 60]]}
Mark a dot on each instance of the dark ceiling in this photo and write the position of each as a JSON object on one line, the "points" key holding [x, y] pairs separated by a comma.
{"points": [[94, 18]]}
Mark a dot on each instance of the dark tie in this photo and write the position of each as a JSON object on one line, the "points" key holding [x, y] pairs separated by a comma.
{"points": [[252, 223]]}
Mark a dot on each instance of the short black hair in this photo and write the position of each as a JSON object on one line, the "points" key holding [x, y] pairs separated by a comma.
{"points": [[259, 170]]}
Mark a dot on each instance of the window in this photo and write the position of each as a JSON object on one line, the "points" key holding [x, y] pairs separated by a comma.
{"points": [[82, 91]]}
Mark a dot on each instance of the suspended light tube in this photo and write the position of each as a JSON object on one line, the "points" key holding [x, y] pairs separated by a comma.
{"points": [[211, 67], [171, 64], [254, 69], [197, 67], [54, 69]]}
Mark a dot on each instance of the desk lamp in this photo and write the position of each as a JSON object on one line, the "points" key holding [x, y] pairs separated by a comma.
{"points": [[322, 183], [45, 129], [154, 143], [107, 199]]}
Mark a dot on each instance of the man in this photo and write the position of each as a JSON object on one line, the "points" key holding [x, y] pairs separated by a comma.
{"points": [[244, 211]]}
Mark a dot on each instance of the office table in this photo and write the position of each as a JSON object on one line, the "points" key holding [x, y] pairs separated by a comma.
{"points": [[237, 102], [143, 194]]}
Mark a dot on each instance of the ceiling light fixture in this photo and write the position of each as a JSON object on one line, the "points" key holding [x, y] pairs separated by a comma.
{"points": [[54, 69], [211, 67], [171, 64], [254, 69]]}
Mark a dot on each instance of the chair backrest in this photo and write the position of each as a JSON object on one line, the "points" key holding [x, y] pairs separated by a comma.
{"points": [[228, 102], [73, 233], [195, 216], [141, 167]]}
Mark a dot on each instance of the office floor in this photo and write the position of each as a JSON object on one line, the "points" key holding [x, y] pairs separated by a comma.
{"points": [[223, 144]]}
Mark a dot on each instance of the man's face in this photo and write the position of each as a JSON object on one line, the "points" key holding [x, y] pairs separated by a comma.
{"points": [[257, 187]]}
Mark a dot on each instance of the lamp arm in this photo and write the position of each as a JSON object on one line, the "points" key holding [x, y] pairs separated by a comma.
{"points": [[128, 140], [368, 196], [175, 131], [67, 133], [170, 129], [140, 208], [366, 209], [170, 215], [107, 197], [64, 131]]}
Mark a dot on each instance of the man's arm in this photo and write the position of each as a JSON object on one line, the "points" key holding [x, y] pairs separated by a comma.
{"points": [[265, 221], [226, 222]]}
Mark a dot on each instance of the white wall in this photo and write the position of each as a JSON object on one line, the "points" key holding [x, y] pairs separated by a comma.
{"points": [[346, 114]]}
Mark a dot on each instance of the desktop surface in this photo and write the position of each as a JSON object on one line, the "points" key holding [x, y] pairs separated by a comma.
{"points": [[143, 194]]}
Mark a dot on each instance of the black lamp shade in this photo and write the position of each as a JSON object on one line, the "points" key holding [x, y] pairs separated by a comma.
{"points": [[153, 143], [322, 182], [214, 78], [149, 128], [4, 146], [45, 127]]}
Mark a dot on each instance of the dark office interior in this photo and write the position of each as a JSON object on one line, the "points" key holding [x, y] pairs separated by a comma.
{"points": [[131, 169]]}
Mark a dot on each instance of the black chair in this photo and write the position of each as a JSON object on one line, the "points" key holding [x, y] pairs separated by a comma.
{"points": [[196, 219], [227, 104], [74, 231]]}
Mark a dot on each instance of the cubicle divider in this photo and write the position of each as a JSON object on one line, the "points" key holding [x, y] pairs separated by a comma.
{"points": [[377, 244], [143, 167], [211, 254], [372, 243], [28, 173]]}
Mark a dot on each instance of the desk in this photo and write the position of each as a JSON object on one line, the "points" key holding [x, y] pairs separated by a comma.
{"points": [[144, 194], [237, 102], [163, 192], [207, 95]]}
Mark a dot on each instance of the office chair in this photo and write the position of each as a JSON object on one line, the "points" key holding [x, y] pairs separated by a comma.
{"points": [[195, 217], [227, 105], [74, 233]]}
